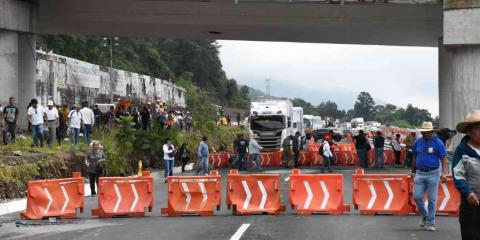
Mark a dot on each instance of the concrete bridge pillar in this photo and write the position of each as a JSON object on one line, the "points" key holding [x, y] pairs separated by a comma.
{"points": [[17, 70], [459, 62], [17, 53]]}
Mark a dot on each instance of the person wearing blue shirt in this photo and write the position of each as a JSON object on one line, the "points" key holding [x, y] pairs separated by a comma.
{"points": [[428, 151], [203, 156]]}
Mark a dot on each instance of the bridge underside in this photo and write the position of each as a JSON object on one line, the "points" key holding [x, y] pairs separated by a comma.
{"points": [[367, 23]]}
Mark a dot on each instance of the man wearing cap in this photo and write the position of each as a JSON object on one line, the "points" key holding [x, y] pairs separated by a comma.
{"points": [[254, 150], [428, 151], [76, 122], [88, 119], [326, 154], [36, 117], [466, 174], [52, 122]]}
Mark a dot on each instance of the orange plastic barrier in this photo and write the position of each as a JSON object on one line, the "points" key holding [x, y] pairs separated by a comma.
{"points": [[253, 193], [317, 193], [305, 158], [55, 198], [124, 196], [316, 159], [448, 199], [388, 156], [194, 195], [219, 160], [271, 159], [382, 193], [347, 155]]}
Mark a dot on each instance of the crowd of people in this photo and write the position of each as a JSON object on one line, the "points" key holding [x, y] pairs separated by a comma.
{"points": [[54, 123]]}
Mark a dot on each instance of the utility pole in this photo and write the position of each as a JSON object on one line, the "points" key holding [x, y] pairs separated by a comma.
{"points": [[110, 42]]}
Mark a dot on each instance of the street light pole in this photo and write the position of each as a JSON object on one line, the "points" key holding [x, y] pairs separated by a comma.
{"points": [[111, 41], [111, 70]]}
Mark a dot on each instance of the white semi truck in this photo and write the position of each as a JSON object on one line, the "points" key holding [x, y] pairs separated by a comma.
{"points": [[273, 120]]}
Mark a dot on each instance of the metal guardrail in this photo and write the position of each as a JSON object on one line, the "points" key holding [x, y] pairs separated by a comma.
{"points": [[430, 2]]}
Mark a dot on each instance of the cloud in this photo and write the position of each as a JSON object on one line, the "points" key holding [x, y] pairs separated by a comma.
{"points": [[316, 72]]}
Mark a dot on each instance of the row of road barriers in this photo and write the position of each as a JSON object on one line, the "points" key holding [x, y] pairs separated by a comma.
{"points": [[246, 194], [345, 155]]}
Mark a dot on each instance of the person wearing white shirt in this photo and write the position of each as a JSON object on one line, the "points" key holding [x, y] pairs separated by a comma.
{"points": [[36, 116], [75, 117], [88, 118], [168, 157], [327, 154], [52, 122]]}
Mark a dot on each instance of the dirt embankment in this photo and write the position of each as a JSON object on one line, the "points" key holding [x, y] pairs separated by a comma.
{"points": [[17, 168]]}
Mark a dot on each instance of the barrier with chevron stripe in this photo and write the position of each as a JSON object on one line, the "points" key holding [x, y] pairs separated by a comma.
{"points": [[382, 194], [271, 159], [253, 193], [219, 160], [124, 196], [55, 198], [194, 195], [448, 199], [317, 193]]}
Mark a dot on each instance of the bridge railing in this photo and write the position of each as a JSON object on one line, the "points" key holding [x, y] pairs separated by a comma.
{"points": [[343, 1]]}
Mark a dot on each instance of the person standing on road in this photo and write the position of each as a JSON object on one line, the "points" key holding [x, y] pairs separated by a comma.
{"points": [[10, 115], [203, 155], [397, 148], [62, 124], [361, 143], [254, 149], [76, 123], [466, 174], [95, 157], [146, 118], [168, 157], [52, 122], [296, 147], [428, 151], [36, 116], [241, 147], [88, 119], [327, 154], [379, 144], [408, 148], [184, 155]]}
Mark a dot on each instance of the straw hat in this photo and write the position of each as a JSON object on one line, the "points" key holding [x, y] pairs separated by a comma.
{"points": [[472, 118], [426, 127], [50, 103]]}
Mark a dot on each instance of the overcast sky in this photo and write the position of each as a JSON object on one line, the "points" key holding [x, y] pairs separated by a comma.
{"points": [[316, 72]]}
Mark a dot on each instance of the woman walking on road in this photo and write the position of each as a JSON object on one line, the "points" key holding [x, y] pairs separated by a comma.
{"points": [[94, 160]]}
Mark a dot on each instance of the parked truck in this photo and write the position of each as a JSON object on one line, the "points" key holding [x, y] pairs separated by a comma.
{"points": [[273, 120], [358, 123]]}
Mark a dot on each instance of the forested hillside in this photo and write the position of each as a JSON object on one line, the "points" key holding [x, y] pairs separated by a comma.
{"points": [[162, 58]]}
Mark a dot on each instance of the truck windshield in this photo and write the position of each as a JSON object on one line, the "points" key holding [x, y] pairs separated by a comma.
{"points": [[307, 123], [267, 123]]}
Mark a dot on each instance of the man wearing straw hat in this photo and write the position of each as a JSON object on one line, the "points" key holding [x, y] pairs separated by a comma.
{"points": [[428, 151], [466, 174]]}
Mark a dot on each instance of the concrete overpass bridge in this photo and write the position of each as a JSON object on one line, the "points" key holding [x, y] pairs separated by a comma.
{"points": [[452, 26]]}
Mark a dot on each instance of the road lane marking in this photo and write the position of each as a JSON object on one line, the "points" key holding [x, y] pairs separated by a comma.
{"points": [[287, 179], [241, 230]]}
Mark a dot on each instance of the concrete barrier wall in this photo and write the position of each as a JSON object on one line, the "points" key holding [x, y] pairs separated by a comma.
{"points": [[71, 81]]}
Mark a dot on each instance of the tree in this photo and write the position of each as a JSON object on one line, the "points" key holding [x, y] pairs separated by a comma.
{"points": [[329, 109], [308, 108], [364, 106], [385, 114]]}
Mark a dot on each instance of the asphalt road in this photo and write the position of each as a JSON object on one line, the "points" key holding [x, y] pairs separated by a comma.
{"points": [[223, 225]]}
